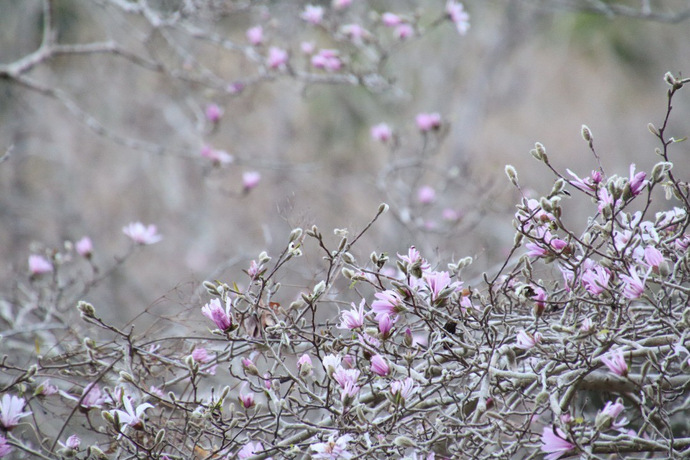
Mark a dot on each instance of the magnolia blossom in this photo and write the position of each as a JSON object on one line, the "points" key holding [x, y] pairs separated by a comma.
{"points": [[213, 113], [200, 355], [39, 265], [354, 32], [391, 19], [353, 319], [327, 59], [5, 448], [246, 399], [605, 199], [653, 257], [222, 317], [331, 363], [379, 366], [403, 389], [131, 416], [608, 415], [525, 340], [459, 16], [428, 121], [344, 376], [381, 132], [554, 443], [46, 389], [84, 247], [218, 157], [596, 279], [404, 31], [386, 323], [141, 234], [255, 35], [637, 181], [11, 408], [277, 58], [304, 364], [333, 449], [250, 449], [312, 14], [616, 363], [426, 194], [588, 184], [633, 286], [387, 303], [250, 180], [92, 397], [307, 48], [438, 282]]}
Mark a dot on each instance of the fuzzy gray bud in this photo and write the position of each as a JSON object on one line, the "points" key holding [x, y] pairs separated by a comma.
{"points": [[511, 172], [586, 133]]}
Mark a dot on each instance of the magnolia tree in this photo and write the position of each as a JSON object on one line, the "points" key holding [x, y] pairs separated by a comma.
{"points": [[575, 346]]}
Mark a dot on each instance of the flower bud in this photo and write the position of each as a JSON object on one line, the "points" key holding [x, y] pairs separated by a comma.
{"points": [[586, 133], [652, 129], [511, 172], [383, 207], [295, 234], [404, 442], [86, 309], [660, 169]]}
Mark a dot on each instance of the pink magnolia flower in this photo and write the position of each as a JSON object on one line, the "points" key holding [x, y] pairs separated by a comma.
{"points": [[277, 58], [304, 364], [218, 157], [438, 282], [5, 448], [222, 317], [391, 19], [39, 265], [608, 415], [348, 392], [404, 31], [414, 262], [141, 234], [331, 363], [307, 48], [250, 180], [637, 181], [451, 215], [156, 391], [328, 60], [428, 121], [333, 449], [254, 269], [249, 366], [213, 113], [458, 16], [353, 319], [11, 408], [200, 355], [616, 363], [388, 303], [379, 366], [596, 279], [554, 443], [633, 286], [586, 325], [250, 449], [131, 416], [72, 443], [403, 389], [255, 35], [605, 199], [92, 397], [46, 389], [426, 194], [386, 323], [653, 257], [312, 14], [525, 340], [381, 132], [588, 184], [246, 399], [354, 32], [343, 376], [84, 247]]}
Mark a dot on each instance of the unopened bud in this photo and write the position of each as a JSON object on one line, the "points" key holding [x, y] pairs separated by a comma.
{"points": [[264, 258], [383, 207], [652, 129], [404, 442], [347, 273], [541, 151], [126, 377], [295, 234], [210, 288], [660, 170], [511, 172], [586, 133], [319, 289], [86, 309]]}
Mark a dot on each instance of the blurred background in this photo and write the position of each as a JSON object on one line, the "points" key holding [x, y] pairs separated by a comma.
{"points": [[100, 139]]}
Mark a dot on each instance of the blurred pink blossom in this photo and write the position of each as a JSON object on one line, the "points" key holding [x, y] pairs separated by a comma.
{"points": [[200, 355], [525, 340], [250, 449], [426, 194], [222, 317], [131, 416], [84, 247], [277, 58], [353, 319], [327, 59], [391, 19], [616, 363], [428, 121], [312, 14], [250, 179], [218, 157], [403, 389], [633, 286], [141, 234], [39, 265], [333, 449], [213, 113], [404, 31], [246, 399], [381, 132], [255, 35], [5, 448], [458, 16], [308, 47], [379, 366], [341, 4]]}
